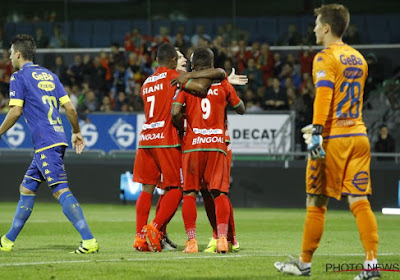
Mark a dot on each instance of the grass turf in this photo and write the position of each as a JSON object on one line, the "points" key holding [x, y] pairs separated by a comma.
{"points": [[265, 235]]}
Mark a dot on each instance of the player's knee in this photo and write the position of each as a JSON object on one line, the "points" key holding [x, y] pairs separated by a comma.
{"points": [[190, 193], [317, 200], [59, 192], [148, 188], [216, 193], [24, 190], [353, 199]]}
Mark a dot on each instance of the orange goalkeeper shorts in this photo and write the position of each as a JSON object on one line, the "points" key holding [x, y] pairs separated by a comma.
{"points": [[345, 170]]}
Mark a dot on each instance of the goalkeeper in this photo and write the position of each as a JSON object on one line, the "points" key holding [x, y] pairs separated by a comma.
{"points": [[337, 143]]}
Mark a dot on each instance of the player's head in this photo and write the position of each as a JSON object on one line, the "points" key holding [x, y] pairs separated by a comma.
{"points": [[332, 21], [23, 49], [202, 58], [167, 56], [181, 65]]}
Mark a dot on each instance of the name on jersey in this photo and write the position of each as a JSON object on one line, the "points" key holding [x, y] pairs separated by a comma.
{"points": [[350, 60], [212, 91], [154, 88], [208, 140], [152, 136], [155, 78]]}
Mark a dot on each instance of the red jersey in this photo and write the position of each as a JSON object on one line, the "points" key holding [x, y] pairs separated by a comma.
{"points": [[157, 95], [206, 117]]}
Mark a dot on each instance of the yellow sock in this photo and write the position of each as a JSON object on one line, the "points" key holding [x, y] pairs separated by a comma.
{"points": [[367, 228], [312, 233]]}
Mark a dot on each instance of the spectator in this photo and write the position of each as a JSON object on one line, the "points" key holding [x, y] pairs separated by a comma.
{"points": [[278, 64], [57, 39], [254, 75], [306, 58], [219, 52], [275, 97], [385, 143], [180, 43], [120, 101], [97, 77], [287, 72], [104, 63], [351, 36], [89, 104], [134, 40], [309, 39], [60, 69], [375, 74], [116, 57], [123, 80], [42, 41], [252, 102], [241, 56], [75, 71], [106, 104], [291, 37], [200, 33], [266, 62]]}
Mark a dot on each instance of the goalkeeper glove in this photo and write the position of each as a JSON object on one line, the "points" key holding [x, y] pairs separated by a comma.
{"points": [[314, 141]]}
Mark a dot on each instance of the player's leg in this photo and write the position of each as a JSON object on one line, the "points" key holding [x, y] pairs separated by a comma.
{"points": [[169, 161], [210, 211], [73, 211], [193, 164], [357, 185], [145, 172], [27, 189]]}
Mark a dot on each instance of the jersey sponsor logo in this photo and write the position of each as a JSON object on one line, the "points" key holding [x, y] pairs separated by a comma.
{"points": [[122, 133], [152, 136], [42, 76], [12, 78], [212, 91], [350, 60], [157, 87], [155, 78], [208, 140], [320, 58], [153, 125], [15, 136], [205, 131], [46, 85], [58, 128], [321, 74], [353, 73], [361, 180], [89, 132], [12, 93]]}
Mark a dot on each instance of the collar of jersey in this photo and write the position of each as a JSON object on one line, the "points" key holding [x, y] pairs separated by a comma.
{"points": [[27, 64]]}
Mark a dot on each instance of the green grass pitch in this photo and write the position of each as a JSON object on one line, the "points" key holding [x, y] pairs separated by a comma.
{"points": [[265, 236]]}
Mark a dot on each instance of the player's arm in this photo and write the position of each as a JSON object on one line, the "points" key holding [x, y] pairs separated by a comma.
{"points": [[197, 87], [234, 100], [177, 117], [78, 143], [11, 118]]}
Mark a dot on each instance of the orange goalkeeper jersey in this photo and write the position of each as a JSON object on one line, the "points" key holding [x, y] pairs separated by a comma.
{"points": [[339, 73]]}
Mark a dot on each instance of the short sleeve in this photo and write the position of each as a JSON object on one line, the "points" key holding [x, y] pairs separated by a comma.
{"points": [[232, 97], [17, 94], [179, 98], [324, 70]]}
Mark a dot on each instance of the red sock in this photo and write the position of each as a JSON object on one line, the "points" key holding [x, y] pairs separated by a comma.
{"points": [[143, 205], [168, 206], [159, 202], [163, 229], [222, 211], [189, 214], [210, 210], [231, 229]]}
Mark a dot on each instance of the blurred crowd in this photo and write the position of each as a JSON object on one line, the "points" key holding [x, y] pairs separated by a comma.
{"points": [[110, 81]]}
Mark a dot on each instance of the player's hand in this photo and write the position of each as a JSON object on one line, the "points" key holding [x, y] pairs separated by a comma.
{"points": [[314, 145], [307, 133], [78, 143], [237, 79], [180, 80]]}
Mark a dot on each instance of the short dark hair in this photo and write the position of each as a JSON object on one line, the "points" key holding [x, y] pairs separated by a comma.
{"points": [[165, 53], [202, 57], [336, 15], [25, 44]]}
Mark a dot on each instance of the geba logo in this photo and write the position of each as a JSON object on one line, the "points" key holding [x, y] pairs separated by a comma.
{"points": [[15, 136], [122, 133], [89, 132]]}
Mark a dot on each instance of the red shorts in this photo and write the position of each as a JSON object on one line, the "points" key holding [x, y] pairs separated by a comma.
{"points": [[151, 163], [205, 167]]}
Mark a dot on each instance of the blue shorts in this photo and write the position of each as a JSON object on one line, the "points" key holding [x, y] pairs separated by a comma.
{"points": [[47, 165]]}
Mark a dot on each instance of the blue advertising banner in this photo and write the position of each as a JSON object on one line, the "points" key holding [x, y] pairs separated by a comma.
{"points": [[104, 132]]}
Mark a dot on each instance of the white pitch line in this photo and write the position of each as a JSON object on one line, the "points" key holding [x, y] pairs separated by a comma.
{"points": [[179, 258]]}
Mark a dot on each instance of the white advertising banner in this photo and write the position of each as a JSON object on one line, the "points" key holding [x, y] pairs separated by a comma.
{"points": [[255, 134]]}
